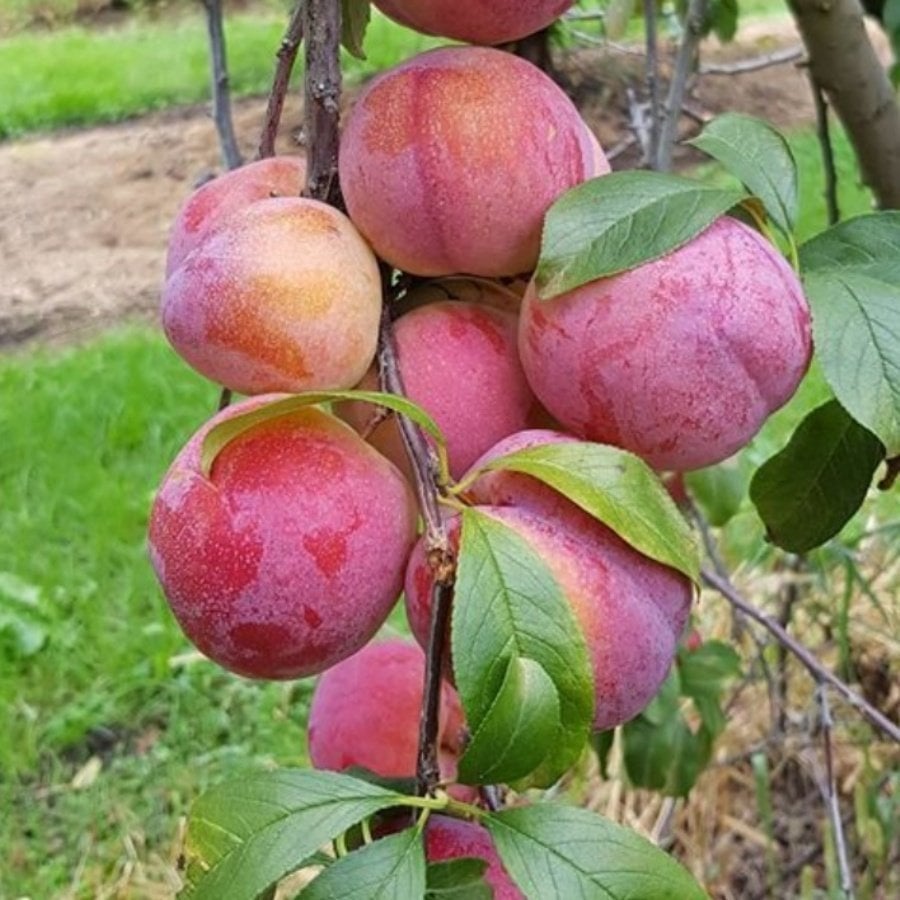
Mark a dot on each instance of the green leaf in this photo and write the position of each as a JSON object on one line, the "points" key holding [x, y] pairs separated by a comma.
{"points": [[507, 605], [513, 738], [852, 277], [809, 490], [355, 17], [457, 879], [602, 742], [225, 432], [392, 868], [620, 490], [559, 851], [704, 671], [667, 756], [719, 490], [760, 157], [245, 835], [723, 18], [618, 221]]}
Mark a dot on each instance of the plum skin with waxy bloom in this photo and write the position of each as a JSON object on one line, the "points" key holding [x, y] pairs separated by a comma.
{"points": [[476, 21], [459, 362], [450, 161], [365, 713], [679, 360], [289, 555]]}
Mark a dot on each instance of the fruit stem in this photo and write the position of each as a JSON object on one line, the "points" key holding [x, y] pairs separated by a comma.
{"points": [[441, 560]]}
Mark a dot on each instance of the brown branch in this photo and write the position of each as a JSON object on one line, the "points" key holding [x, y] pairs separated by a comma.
{"points": [[822, 675], [221, 94], [651, 78], [892, 472], [755, 63], [685, 61], [824, 134], [440, 557], [225, 398], [286, 56], [322, 98], [830, 795]]}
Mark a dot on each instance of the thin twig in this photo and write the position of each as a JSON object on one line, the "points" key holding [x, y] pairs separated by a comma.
{"points": [[652, 80], [221, 94], [322, 98], [830, 795], [790, 596], [875, 718], [225, 398], [286, 56], [823, 132], [685, 62], [755, 63]]}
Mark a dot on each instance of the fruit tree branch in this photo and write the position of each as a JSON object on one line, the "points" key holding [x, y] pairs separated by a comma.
{"points": [[684, 65], [286, 56], [440, 556], [652, 79], [220, 88], [830, 795], [824, 134], [819, 673], [322, 97]]}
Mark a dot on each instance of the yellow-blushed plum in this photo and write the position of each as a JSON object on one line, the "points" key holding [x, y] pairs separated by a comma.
{"points": [[288, 555], [285, 296], [211, 205]]}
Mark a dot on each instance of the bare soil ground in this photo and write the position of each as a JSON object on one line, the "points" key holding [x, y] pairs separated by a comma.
{"points": [[84, 214]]}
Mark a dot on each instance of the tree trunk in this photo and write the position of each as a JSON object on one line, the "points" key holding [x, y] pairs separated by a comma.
{"points": [[844, 64]]}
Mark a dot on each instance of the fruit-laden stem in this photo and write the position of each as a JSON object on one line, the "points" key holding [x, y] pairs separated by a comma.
{"points": [[440, 557], [322, 98], [286, 56]]}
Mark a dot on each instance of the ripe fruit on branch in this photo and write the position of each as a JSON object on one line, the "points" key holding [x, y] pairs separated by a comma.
{"points": [[680, 360], [210, 206], [285, 296], [460, 363], [447, 839], [288, 556], [631, 609], [365, 712], [450, 160], [476, 21]]}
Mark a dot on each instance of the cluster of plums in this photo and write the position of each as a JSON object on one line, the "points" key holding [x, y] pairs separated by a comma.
{"points": [[285, 558]]}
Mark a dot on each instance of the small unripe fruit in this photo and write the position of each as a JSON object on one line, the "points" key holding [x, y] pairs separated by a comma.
{"points": [[476, 21], [285, 296], [288, 556], [365, 713], [210, 206], [450, 161], [680, 360]]}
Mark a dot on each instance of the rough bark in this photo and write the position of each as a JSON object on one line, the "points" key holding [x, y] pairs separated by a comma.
{"points": [[843, 62]]}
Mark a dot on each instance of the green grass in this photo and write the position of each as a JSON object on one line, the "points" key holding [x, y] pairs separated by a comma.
{"points": [[76, 76]]}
